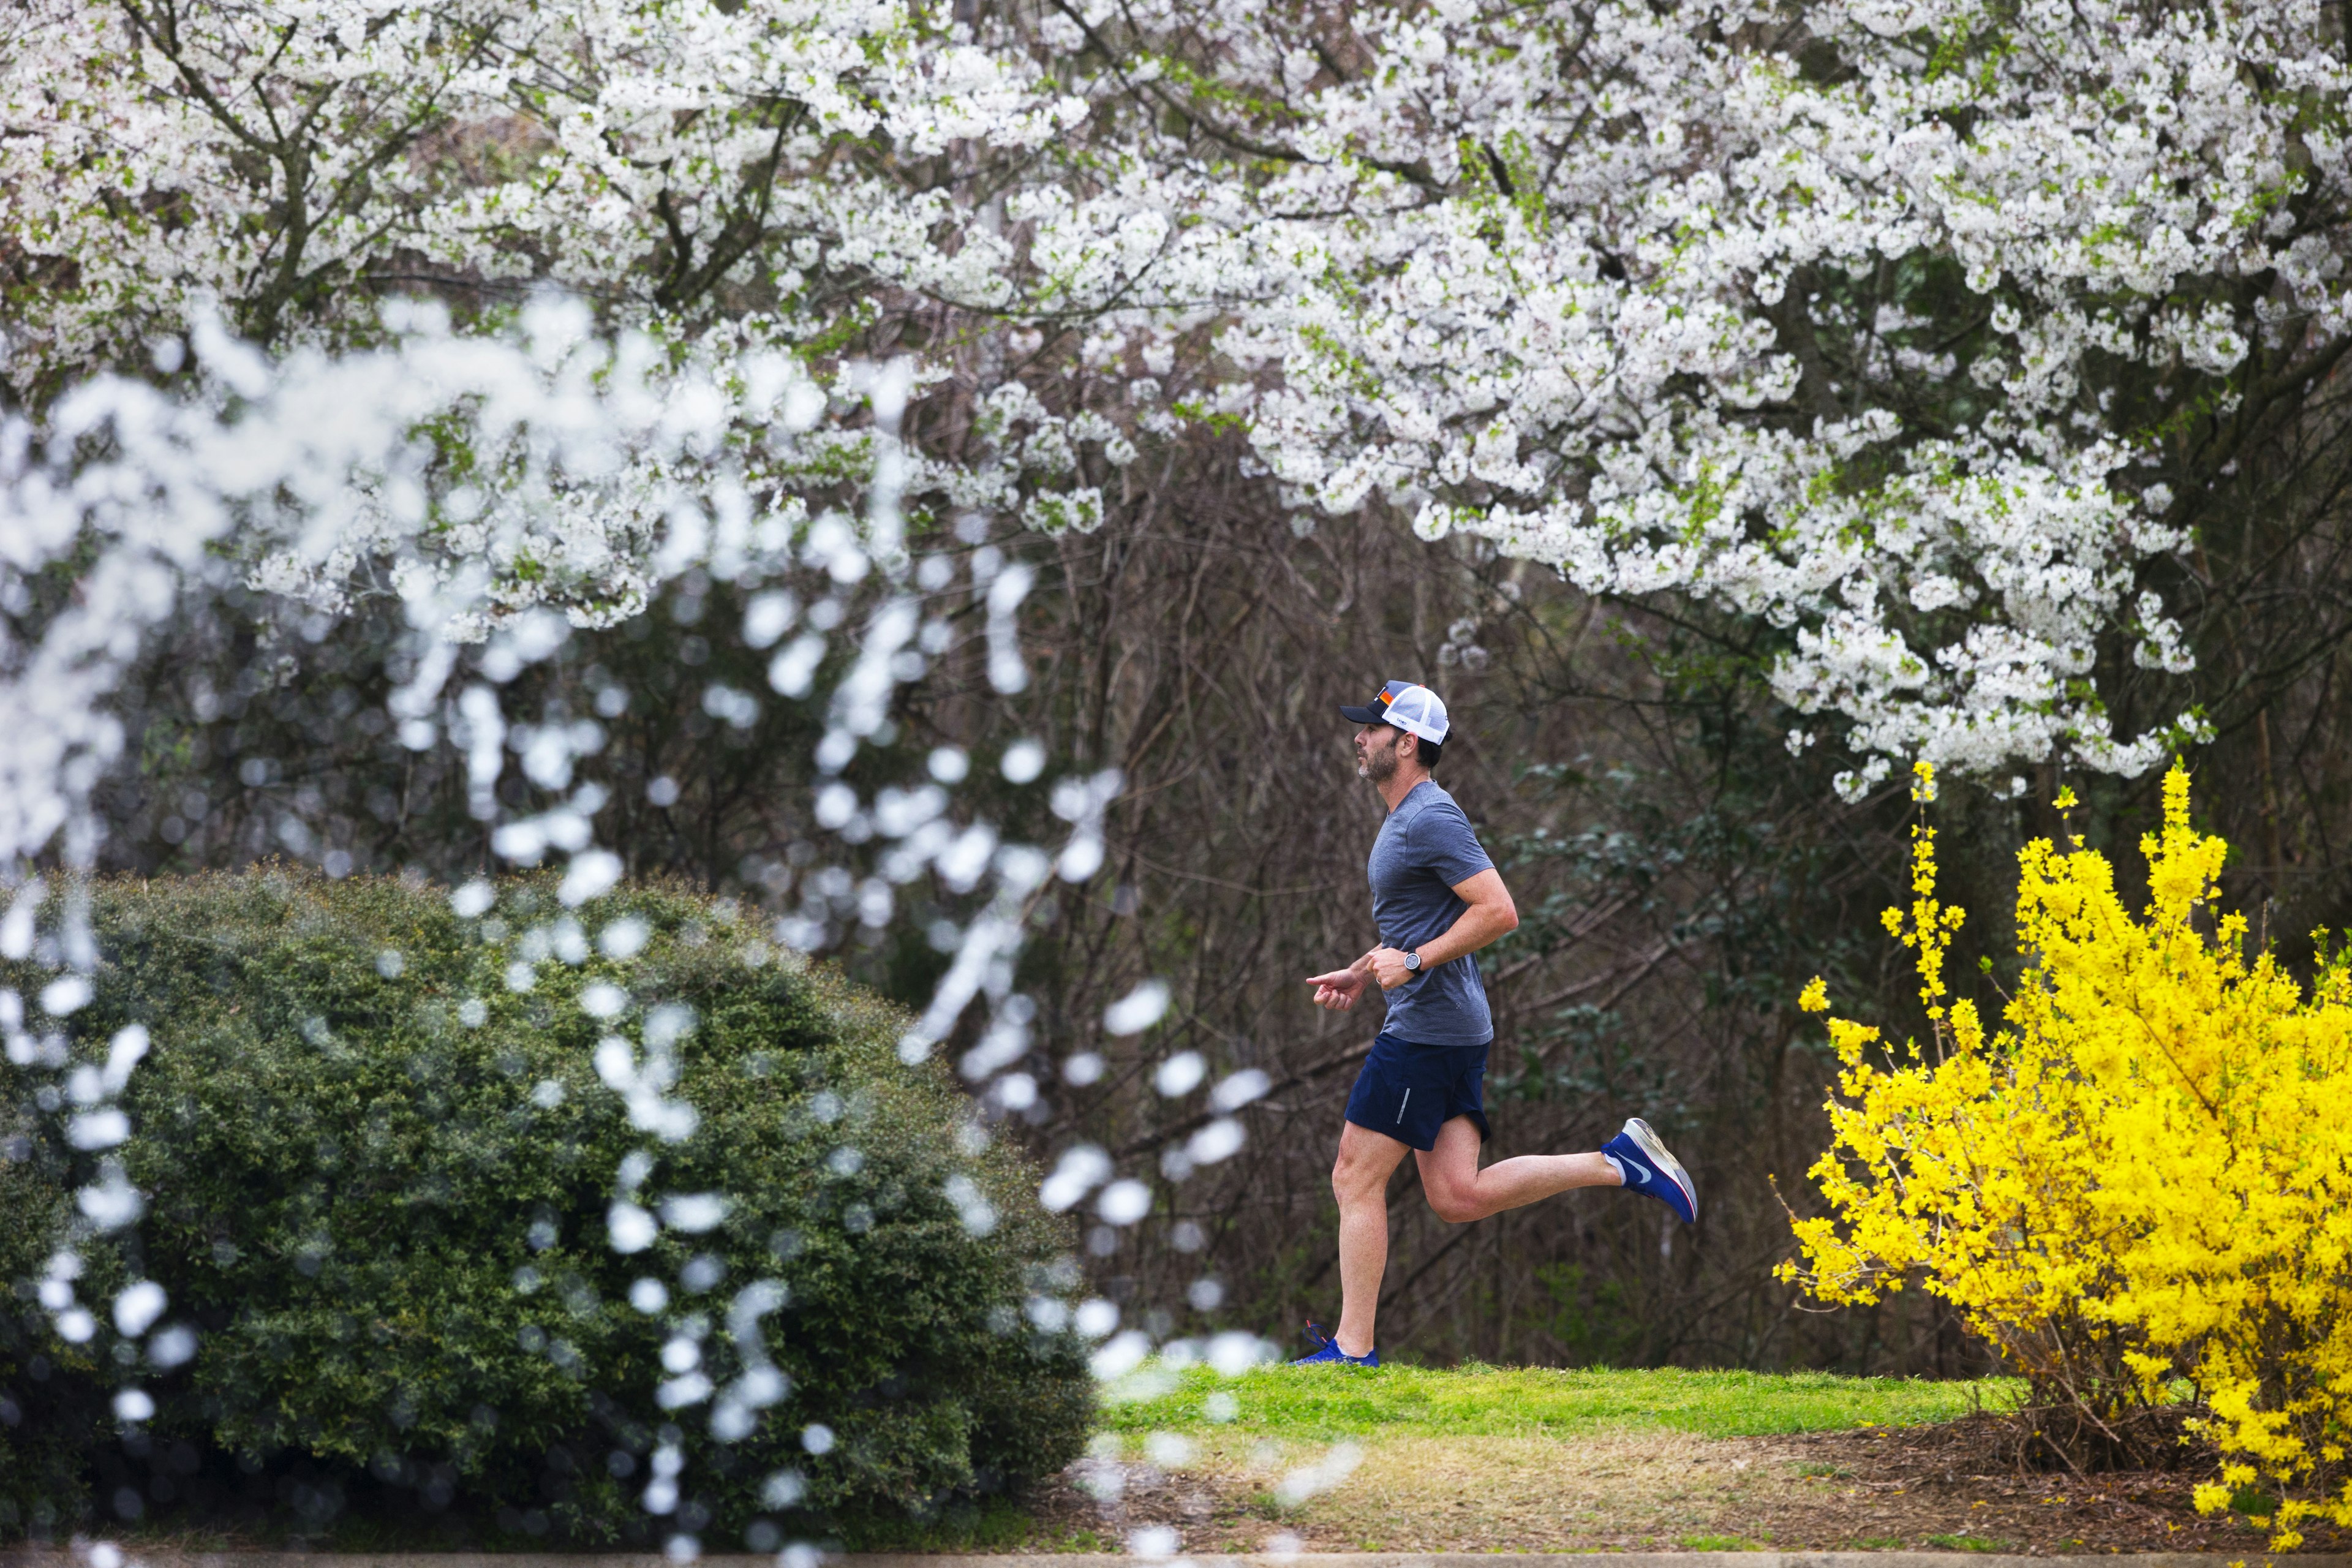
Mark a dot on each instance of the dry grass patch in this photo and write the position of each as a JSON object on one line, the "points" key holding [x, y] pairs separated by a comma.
{"points": [[1877, 1488], [1480, 1459], [1458, 1494]]}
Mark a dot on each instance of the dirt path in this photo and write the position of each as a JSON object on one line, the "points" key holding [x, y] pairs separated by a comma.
{"points": [[1917, 1489]]}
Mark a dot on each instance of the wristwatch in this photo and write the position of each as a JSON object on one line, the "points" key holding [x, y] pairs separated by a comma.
{"points": [[1413, 961]]}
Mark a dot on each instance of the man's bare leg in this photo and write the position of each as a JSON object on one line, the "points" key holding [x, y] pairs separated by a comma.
{"points": [[1460, 1191], [1360, 1180]]}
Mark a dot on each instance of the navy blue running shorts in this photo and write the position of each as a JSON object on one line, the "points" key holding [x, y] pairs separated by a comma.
{"points": [[1407, 1091]]}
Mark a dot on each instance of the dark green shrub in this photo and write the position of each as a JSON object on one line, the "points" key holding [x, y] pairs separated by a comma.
{"points": [[48, 1414], [380, 1187]]}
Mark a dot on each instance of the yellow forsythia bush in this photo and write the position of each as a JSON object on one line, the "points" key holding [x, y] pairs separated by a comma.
{"points": [[2140, 1188]]}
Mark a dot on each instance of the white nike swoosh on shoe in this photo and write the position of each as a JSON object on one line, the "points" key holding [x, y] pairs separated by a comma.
{"points": [[1639, 1175], [1645, 1137]]}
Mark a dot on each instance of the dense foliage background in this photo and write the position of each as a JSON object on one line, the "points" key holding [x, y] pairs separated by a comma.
{"points": [[1680, 875], [383, 1193]]}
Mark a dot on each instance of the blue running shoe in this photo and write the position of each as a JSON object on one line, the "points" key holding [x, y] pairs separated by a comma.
{"points": [[1332, 1355], [1650, 1169]]}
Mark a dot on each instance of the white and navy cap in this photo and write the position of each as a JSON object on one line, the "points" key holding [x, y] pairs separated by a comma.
{"points": [[1414, 709]]}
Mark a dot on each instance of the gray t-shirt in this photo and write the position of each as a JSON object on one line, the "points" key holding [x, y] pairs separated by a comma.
{"points": [[1424, 848]]}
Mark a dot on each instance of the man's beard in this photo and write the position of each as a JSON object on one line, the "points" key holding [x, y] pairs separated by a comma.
{"points": [[1379, 764]]}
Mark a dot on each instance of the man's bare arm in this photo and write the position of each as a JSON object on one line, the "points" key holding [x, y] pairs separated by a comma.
{"points": [[1491, 914]]}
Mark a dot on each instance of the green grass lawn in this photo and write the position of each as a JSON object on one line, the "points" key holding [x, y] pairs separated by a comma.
{"points": [[1322, 1403]]}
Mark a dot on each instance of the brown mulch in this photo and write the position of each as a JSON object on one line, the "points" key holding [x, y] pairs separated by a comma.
{"points": [[1924, 1480], [1956, 1486]]}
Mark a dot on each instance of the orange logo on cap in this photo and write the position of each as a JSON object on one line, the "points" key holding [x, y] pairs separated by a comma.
{"points": [[1381, 697]]}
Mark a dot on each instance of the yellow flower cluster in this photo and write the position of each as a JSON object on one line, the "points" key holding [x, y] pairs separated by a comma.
{"points": [[2141, 1189]]}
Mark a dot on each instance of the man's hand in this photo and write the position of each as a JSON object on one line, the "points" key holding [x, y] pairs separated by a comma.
{"points": [[1388, 967], [1339, 990]]}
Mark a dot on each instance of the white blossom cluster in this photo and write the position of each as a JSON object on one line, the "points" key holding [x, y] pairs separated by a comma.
{"points": [[599, 463], [609, 148], [1886, 323], [1868, 320]]}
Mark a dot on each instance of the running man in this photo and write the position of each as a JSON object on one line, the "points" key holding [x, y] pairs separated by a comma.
{"points": [[1436, 900]]}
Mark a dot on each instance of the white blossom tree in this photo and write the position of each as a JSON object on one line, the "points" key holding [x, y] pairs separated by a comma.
{"points": [[1916, 330], [1913, 331]]}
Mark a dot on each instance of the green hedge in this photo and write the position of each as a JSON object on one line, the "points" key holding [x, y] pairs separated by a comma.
{"points": [[43, 1438], [378, 1180]]}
